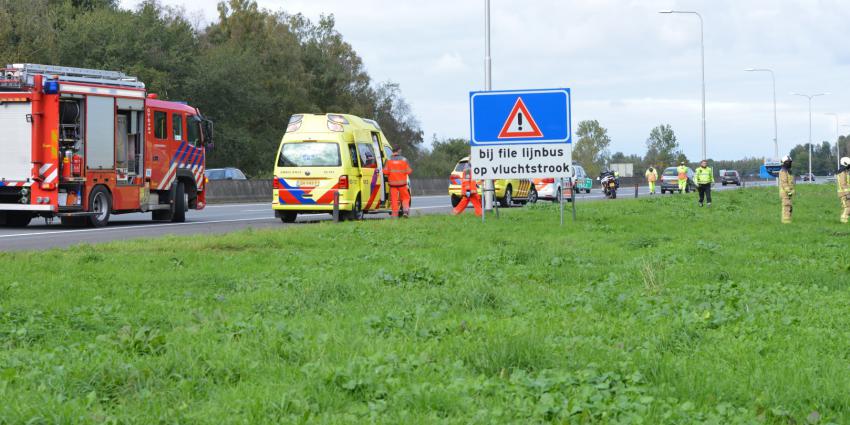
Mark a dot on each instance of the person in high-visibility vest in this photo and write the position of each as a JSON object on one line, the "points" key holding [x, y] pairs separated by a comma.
{"points": [[786, 189], [842, 178], [469, 193], [704, 177], [651, 175], [397, 171], [682, 172]]}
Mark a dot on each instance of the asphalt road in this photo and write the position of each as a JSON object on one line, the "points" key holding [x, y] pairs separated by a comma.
{"points": [[213, 219]]}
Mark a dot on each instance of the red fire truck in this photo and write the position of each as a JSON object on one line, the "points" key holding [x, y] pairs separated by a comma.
{"points": [[82, 144]]}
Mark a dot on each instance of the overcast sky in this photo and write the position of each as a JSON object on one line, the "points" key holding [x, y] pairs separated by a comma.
{"points": [[628, 66]]}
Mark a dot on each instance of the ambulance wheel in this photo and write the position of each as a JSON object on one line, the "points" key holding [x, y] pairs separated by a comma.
{"points": [[356, 212], [455, 200], [179, 204], [532, 196], [288, 216], [508, 200], [16, 219], [100, 203], [555, 200]]}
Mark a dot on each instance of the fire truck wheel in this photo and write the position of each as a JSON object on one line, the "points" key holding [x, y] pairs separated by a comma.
{"points": [[100, 203], [12, 219], [179, 204]]}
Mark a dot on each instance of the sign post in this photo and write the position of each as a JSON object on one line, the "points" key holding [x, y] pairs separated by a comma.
{"points": [[561, 199], [521, 134]]}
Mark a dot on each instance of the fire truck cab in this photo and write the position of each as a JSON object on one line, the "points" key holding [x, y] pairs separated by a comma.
{"points": [[83, 144]]}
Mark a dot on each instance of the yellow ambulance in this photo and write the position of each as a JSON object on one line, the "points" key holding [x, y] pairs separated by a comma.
{"points": [[322, 155]]}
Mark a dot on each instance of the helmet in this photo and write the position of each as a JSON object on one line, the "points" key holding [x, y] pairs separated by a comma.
{"points": [[845, 161], [786, 158]]}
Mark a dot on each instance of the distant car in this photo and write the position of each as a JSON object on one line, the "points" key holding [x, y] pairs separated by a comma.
{"points": [[730, 177], [808, 177], [228, 173], [670, 180], [582, 181]]}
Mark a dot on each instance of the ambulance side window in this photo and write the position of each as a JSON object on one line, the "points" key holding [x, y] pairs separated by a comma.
{"points": [[177, 123], [159, 125], [367, 156], [352, 153], [388, 152]]}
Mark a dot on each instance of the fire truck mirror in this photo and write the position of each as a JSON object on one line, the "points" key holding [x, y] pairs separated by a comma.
{"points": [[208, 134]]}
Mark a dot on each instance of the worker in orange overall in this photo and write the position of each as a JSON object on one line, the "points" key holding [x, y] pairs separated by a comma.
{"points": [[397, 171], [469, 191]]}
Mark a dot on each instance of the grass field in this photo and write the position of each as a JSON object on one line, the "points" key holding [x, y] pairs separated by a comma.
{"points": [[643, 311]]}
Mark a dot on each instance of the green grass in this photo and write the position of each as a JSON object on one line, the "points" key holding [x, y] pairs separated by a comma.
{"points": [[643, 311]]}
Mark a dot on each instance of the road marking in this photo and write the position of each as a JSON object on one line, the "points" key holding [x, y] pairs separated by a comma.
{"points": [[147, 226], [431, 207], [144, 226], [238, 205]]}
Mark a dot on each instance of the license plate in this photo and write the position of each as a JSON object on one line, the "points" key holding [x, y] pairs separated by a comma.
{"points": [[611, 184], [308, 183]]}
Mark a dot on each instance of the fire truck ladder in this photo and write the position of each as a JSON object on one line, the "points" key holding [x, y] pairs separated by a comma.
{"points": [[26, 72]]}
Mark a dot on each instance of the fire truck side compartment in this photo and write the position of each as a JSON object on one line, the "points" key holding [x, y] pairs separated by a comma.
{"points": [[16, 141], [129, 143], [100, 133]]}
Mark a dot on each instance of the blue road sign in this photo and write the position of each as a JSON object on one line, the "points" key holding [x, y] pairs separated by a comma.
{"points": [[520, 117]]}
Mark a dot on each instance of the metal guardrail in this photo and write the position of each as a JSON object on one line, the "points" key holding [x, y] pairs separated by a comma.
{"points": [[225, 191]]}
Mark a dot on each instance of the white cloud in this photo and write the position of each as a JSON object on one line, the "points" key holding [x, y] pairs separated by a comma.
{"points": [[448, 63]]}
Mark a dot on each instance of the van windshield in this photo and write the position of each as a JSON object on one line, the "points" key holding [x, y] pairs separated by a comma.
{"points": [[462, 166], [309, 154]]}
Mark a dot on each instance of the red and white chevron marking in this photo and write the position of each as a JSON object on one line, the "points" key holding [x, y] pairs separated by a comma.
{"points": [[197, 172], [49, 172]]}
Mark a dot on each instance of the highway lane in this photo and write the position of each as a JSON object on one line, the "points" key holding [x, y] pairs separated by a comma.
{"points": [[212, 219], [215, 219]]}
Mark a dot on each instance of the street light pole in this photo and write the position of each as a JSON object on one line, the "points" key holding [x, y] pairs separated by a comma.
{"points": [[837, 136], [489, 187], [775, 121], [702, 57], [810, 97]]}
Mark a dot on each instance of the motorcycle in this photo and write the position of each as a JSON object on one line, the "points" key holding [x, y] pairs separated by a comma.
{"points": [[610, 183]]}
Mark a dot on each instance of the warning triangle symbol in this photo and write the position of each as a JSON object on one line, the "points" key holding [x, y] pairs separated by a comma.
{"points": [[519, 124]]}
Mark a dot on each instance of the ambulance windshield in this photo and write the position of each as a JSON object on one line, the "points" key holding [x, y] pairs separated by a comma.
{"points": [[309, 154], [462, 166]]}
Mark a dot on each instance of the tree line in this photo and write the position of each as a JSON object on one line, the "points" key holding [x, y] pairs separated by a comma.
{"points": [[248, 71], [592, 151]]}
